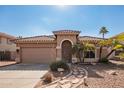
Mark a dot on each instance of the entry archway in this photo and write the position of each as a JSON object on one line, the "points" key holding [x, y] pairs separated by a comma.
{"points": [[66, 51]]}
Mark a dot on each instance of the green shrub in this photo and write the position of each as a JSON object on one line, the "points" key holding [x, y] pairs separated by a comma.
{"points": [[104, 60], [121, 55], [59, 64]]}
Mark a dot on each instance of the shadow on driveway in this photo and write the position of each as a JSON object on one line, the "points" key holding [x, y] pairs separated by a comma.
{"points": [[25, 66]]}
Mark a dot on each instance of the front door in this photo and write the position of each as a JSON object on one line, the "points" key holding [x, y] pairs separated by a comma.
{"points": [[67, 51]]}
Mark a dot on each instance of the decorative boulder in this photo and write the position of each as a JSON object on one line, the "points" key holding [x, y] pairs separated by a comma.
{"points": [[112, 72], [60, 70]]}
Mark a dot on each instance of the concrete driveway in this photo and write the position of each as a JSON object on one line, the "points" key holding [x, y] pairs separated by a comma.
{"points": [[21, 75]]}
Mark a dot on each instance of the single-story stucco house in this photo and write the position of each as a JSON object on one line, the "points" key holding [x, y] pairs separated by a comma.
{"points": [[47, 49]]}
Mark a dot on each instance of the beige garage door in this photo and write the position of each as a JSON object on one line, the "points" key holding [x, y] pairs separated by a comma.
{"points": [[38, 55]]}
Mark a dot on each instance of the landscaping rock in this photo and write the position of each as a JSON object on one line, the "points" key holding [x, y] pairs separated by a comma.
{"points": [[75, 81], [112, 72], [78, 84], [72, 77], [63, 81], [60, 69], [52, 86], [82, 72], [67, 85], [75, 73], [80, 76], [75, 70]]}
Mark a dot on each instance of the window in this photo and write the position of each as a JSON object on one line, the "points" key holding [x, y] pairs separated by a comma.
{"points": [[8, 41], [89, 54], [117, 52]]}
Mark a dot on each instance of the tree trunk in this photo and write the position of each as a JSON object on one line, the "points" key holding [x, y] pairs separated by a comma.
{"points": [[80, 58], [110, 53], [83, 58], [100, 53], [103, 36]]}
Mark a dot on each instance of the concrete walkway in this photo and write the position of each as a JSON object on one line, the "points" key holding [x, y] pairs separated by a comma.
{"points": [[6, 63], [21, 75]]}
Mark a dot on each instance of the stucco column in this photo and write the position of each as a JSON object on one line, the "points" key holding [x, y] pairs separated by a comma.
{"points": [[74, 59], [18, 55], [58, 53]]}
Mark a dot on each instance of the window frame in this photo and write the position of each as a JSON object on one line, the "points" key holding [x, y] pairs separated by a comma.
{"points": [[8, 41], [89, 54]]}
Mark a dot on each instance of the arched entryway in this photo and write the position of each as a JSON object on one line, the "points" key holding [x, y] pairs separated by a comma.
{"points": [[66, 51]]}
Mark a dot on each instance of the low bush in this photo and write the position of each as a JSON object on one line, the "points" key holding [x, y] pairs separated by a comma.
{"points": [[104, 60], [121, 55], [59, 64], [47, 78]]}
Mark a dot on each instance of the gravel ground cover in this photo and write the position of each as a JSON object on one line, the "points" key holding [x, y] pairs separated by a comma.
{"points": [[99, 75], [105, 75]]}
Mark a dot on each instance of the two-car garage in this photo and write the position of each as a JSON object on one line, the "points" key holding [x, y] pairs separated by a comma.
{"points": [[38, 55]]}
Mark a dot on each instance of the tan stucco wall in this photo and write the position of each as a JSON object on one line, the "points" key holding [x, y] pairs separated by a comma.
{"points": [[104, 52], [60, 40], [34, 52], [6, 47], [38, 55]]}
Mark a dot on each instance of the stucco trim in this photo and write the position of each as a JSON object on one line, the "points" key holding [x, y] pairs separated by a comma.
{"points": [[58, 59], [58, 47], [65, 40]]}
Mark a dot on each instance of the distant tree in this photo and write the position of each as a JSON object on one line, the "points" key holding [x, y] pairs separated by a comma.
{"points": [[102, 31]]}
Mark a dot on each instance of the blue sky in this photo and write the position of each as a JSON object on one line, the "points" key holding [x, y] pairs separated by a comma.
{"points": [[42, 20]]}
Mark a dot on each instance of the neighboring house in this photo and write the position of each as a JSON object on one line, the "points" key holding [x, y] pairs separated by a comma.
{"points": [[47, 49], [7, 47]]}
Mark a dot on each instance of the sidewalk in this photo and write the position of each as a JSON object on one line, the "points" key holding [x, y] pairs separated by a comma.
{"points": [[6, 63]]}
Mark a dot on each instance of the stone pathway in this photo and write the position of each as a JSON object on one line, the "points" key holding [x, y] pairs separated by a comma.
{"points": [[75, 79]]}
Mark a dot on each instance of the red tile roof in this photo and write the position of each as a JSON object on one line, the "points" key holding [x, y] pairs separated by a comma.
{"points": [[83, 38], [7, 35], [43, 38], [66, 32]]}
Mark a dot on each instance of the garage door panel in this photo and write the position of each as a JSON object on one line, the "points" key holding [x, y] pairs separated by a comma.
{"points": [[38, 55]]}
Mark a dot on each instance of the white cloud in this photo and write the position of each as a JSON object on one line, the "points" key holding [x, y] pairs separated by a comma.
{"points": [[48, 20]]}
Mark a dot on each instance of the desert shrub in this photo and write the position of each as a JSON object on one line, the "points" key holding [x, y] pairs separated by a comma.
{"points": [[121, 55], [104, 60], [48, 77], [59, 64]]}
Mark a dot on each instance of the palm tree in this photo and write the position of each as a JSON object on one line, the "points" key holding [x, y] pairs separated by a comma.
{"points": [[79, 50], [103, 31]]}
